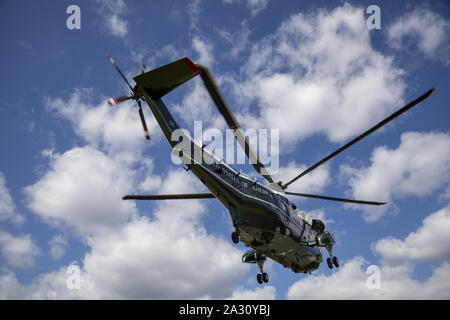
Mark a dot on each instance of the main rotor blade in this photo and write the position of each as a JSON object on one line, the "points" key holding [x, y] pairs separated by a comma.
{"points": [[169, 196], [114, 101], [306, 195], [231, 121], [362, 136], [117, 68]]}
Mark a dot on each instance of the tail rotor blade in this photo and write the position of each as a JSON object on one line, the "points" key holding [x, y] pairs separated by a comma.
{"points": [[142, 68], [114, 101], [144, 125], [117, 68]]}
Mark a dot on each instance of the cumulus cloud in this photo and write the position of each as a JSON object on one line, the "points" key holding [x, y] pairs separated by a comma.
{"points": [[18, 251], [422, 30], [164, 259], [238, 40], [204, 50], [314, 182], [431, 242], [354, 279], [351, 282], [117, 130], [169, 255], [82, 191], [112, 13], [58, 245], [322, 71], [265, 293], [418, 167], [8, 211]]}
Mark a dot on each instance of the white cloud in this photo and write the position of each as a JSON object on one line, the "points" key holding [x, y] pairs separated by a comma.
{"points": [[238, 40], [82, 190], [264, 293], [171, 257], [428, 31], [314, 182], [116, 130], [397, 257], [8, 211], [131, 256], [204, 51], [18, 251], [255, 6], [321, 70], [194, 10], [58, 245], [112, 12], [431, 242], [418, 167], [350, 282], [168, 256]]}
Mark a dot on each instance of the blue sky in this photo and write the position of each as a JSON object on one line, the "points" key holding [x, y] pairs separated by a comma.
{"points": [[313, 70]]}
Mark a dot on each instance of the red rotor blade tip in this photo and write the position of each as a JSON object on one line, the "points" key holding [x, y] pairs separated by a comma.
{"points": [[112, 101]]}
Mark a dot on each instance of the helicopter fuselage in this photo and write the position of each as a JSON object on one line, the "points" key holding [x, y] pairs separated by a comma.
{"points": [[264, 219]]}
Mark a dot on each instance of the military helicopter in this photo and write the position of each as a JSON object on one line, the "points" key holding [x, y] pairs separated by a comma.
{"points": [[262, 216]]}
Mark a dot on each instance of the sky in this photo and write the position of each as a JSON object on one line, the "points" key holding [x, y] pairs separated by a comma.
{"points": [[314, 70]]}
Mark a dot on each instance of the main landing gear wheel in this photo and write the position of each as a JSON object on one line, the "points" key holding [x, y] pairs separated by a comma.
{"points": [[329, 263], [264, 277], [259, 278], [336, 261], [333, 261], [235, 237]]}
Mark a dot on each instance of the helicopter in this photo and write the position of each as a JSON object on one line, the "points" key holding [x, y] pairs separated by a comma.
{"points": [[262, 216]]}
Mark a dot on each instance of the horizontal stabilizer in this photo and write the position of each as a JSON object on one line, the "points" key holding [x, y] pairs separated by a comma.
{"points": [[162, 80]]}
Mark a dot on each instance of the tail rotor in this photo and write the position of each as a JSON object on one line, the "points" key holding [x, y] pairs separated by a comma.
{"points": [[134, 95]]}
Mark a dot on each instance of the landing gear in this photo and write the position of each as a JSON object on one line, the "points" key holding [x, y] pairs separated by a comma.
{"points": [[329, 263], [262, 277], [336, 261], [333, 261], [235, 237]]}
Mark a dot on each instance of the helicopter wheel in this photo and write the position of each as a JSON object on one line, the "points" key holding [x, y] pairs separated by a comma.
{"points": [[336, 261], [265, 277], [259, 278], [235, 237], [329, 263]]}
